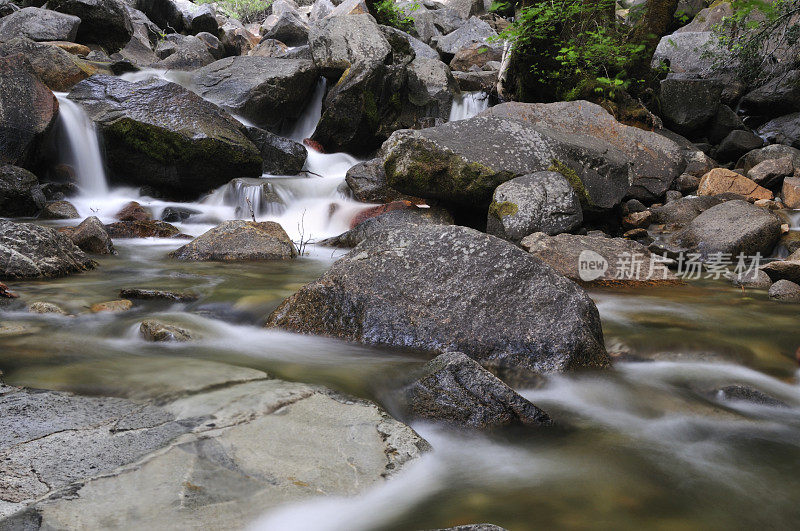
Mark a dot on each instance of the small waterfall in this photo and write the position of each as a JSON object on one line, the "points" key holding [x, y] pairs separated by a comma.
{"points": [[81, 148], [468, 104], [305, 125]]}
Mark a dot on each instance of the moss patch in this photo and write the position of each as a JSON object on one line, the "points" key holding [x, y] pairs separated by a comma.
{"points": [[502, 209], [574, 180]]}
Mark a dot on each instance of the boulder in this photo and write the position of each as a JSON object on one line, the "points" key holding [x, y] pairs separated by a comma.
{"points": [[790, 192], [215, 46], [159, 134], [20, 193], [158, 332], [775, 151], [783, 270], [288, 28], [91, 236], [736, 144], [475, 55], [7, 7], [117, 306], [28, 111], [58, 210], [785, 291], [39, 25], [657, 161], [688, 105], [721, 181], [782, 130], [236, 39], [420, 49], [432, 23], [392, 220], [338, 43], [742, 393], [770, 173], [539, 202], [281, 156], [31, 251], [264, 90], [599, 260], [448, 288], [133, 211], [779, 96], [691, 54], [239, 241], [270, 48], [183, 52], [375, 211], [142, 229], [197, 18], [176, 214], [461, 163], [475, 31], [480, 81], [58, 69], [103, 22], [367, 182], [732, 227], [725, 122], [41, 307], [455, 390], [754, 278]]}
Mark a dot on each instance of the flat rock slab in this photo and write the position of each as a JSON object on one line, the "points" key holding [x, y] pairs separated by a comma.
{"points": [[215, 460]]}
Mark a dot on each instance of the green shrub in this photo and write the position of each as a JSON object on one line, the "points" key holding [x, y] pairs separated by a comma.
{"points": [[246, 11], [388, 14]]}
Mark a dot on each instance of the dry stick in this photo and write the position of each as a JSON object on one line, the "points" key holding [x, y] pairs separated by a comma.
{"points": [[250, 207]]}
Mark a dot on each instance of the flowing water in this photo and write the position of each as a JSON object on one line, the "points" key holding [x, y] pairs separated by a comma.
{"points": [[647, 444]]}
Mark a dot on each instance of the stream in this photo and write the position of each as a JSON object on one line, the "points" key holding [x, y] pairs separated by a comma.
{"points": [[647, 444]]}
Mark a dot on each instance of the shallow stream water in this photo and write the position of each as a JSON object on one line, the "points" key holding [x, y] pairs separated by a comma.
{"points": [[645, 444]]}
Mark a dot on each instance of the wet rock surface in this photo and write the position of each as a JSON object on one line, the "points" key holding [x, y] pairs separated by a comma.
{"points": [[437, 288], [240, 240], [32, 251]]}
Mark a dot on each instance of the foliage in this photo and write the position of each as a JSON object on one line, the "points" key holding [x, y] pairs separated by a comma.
{"points": [[246, 11], [761, 38], [388, 14], [574, 49]]}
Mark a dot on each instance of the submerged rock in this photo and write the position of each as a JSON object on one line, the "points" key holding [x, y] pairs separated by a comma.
{"points": [[117, 306], [32, 251], [58, 210], [461, 163], [742, 393], [448, 288], [159, 134], [28, 111], [142, 229], [540, 202], [159, 332], [157, 294], [91, 236], [133, 211], [46, 307], [599, 260], [455, 390], [265, 90], [239, 240]]}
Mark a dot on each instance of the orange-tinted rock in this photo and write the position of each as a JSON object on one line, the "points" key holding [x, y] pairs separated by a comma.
{"points": [[791, 192], [313, 144], [133, 211], [378, 210], [720, 181]]}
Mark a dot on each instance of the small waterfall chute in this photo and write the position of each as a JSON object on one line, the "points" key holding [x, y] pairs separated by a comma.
{"points": [[468, 104], [80, 147]]}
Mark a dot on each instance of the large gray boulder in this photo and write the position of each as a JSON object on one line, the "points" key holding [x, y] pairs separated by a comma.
{"points": [[540, 202], [782, 130], [39, 25], [692, 54], [28, 111], [367, 182], [475, 31], [103, 22], [688, 105], [265, 90], [731, 227], [282, 156], [462, 162], [31, 251], [392, 220], [779, 96], [337, 43], [159, 134], [20, 193], [455, 390], [91, 236], [239, 240], [656, 160], [289, 28], [183, 52], [449, 288], [421, 50], [771, 152], [431, 23]]}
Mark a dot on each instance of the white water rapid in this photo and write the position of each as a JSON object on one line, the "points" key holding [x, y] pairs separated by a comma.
{"points": [[81, 148], [468, 104]]}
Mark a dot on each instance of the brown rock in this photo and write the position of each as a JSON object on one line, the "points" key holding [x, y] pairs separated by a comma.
{"points": [[46, 307], [637, 220], [59, 210], [122, 305], [160, 332], [477, 54], [721, 181], [28, 111], [59, 70], [239, 241], [143, 229], [791, 192], [770, 172], [783, 270], [70, 47], [91, 236], [133, 211]]}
